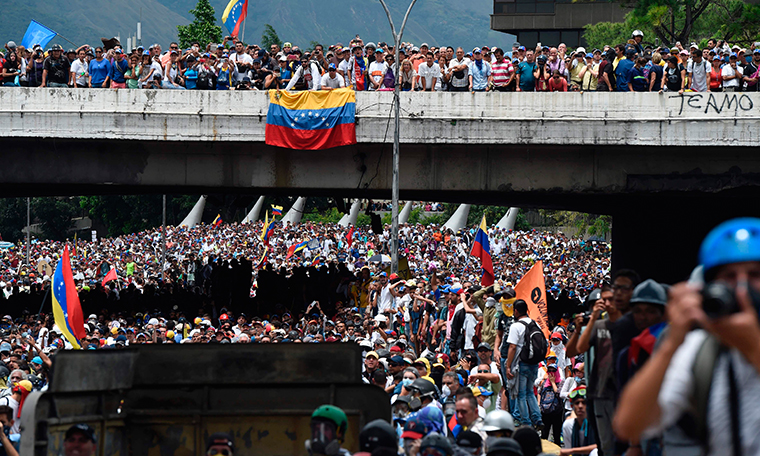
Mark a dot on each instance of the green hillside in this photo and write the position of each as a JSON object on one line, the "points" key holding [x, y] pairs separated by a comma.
{"points": [[438, 22]]}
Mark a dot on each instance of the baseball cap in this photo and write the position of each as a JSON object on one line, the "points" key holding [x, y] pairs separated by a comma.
{"points": [[84, 429], [589, 55], [287, 44], [379, 50], [372, 353], [476, 51], [415, 428], [11, 45], [331, 67], [424, 44]]}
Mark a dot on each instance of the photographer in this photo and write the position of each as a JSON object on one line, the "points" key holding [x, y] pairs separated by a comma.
{"points": [[541, 74], [717, 364]]}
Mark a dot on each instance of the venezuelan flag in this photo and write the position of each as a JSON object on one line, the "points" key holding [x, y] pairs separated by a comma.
{"points": [[481, 248], [295, 248], [66, 307], [234, 15], [311, 120], [217, 221], [276, 210], [268, 228]]}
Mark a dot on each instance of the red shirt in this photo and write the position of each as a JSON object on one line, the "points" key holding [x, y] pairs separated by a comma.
{"points": [[557, 84]]}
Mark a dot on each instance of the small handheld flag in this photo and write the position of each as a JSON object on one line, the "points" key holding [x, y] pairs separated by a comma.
{"points": [[66, 307], [350, 236], [217, 221], [295, 248], [110, 276], [276, 210]]}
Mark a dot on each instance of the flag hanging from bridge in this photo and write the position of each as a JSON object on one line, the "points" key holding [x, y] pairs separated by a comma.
{"points": [[311, 120]]}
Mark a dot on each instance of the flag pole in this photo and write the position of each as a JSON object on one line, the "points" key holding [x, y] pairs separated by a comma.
{"points": [[28, 229], [163, 239], [72, 43]]}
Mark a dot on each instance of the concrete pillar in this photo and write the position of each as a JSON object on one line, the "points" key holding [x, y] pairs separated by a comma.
{"points": [[403, 217], [353, 214], [253, 216], [458, 219], [508, 221], [194, 217], [295, 213]]}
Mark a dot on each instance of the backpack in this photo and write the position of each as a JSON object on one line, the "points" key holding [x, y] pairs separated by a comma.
{"points": [[549, 400], [205, 80], [535, 346]]}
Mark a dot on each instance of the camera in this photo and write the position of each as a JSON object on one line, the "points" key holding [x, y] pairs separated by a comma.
{"points": [[719, 299], [586, 317]]}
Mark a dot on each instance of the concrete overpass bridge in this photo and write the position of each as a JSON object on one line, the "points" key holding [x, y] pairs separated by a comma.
{"points": [[666, 166]]}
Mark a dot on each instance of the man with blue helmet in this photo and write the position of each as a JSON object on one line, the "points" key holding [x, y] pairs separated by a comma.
{"points": [[707, 379]]}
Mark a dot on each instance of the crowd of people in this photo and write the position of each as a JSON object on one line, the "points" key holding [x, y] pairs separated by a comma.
{"points": [[628, 366], [631, 66]]}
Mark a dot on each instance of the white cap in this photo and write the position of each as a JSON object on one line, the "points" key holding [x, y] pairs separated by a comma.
{"points": [[153, 321]]}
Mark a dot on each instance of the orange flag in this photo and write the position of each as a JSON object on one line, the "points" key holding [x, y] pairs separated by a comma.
{"points": [[532, 289]]}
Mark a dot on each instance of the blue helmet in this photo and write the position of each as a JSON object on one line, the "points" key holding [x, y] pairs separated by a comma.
{"points": [[734, 241]]}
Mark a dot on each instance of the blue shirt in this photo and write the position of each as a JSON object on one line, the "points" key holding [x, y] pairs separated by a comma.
{"points": [[99, 71], [527, 80], [639, 80], [117, 71], [480, 75], [623, 74], [191, 76], [223, 79]]}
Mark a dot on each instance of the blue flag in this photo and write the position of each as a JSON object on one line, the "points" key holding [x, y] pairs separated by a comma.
{"points": [[234, 14], [37, 33]]}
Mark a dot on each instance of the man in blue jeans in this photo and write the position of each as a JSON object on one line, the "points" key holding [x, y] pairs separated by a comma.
{"points": [[527, 404]]}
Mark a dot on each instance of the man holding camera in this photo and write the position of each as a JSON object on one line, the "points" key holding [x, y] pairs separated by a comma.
{"points": [[714, 368]]}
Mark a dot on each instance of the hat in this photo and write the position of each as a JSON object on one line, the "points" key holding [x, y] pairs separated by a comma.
{"points": [[283, 58], [504, 445], [665, 51], [396, 359], [393, 276], [37, 360], [56, 47], [756, 51], [11, 45], [220, 438], [380, 50], [480, 391], [372, 353], [84, 429], [556, 335], [484, 346], [287, 44], [424, 44], [521, 48], [650, 292], [5, 347], [552, 366], [415, 428], [589, 55], [469, 439], [684, 52], [331, 67], [476, 51]]}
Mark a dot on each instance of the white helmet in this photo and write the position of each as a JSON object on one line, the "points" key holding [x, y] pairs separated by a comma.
{"points": [[638, 33], [498, 420]]}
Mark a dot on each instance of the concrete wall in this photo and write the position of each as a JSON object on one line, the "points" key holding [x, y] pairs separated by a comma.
{"points": [[557, 119]]}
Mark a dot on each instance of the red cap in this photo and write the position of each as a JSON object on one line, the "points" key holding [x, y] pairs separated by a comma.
{"points": [[443, 357], [393, 276], [556, 335], [396, 349]]}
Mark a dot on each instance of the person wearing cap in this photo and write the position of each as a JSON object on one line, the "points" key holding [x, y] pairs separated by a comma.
{"points": [[415, 429], [480, 72], [751, 71], [306, 77], [80, 440], [220, 444], [119, 67], [698, 70], [589, 73], [674, 76], [435, 444], [376, 70], [55, 68], [578, 437], [470, 442], [731, 74], [79, 70]]}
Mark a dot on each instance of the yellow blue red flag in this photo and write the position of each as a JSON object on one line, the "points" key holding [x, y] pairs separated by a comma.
{"points": [[217, 221], [481, 248], [276, 210], [234, 15], [66, 307], [311, 120]]}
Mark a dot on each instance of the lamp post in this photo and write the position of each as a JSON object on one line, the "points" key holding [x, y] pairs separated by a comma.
{"points": [[396, 113]]}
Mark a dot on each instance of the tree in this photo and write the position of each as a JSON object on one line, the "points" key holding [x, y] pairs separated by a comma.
{"points": [[12, 218], [269, 37], [55, 215], [203, 29]]}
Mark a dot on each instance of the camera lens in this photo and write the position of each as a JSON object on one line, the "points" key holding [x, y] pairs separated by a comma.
{"points": [[718, 300]]}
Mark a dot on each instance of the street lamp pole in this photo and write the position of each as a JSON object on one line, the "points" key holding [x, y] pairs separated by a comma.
{"points": [[396, 114]]}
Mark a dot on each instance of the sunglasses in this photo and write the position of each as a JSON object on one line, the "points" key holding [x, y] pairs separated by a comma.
{"points": [[484, 371]]}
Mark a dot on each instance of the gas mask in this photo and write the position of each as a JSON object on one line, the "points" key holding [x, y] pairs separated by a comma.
{"points": [[323, 438]]}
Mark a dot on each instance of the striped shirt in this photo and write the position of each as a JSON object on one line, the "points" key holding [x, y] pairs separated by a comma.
{"points": [[502, 71]]}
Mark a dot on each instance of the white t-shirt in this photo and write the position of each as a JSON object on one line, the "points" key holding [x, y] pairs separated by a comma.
{"points": [[345, 68], [516, 335], [728, 71], [157, 70], [242, 58], [12, 403], [464, 82], [428, 72], [675, 397], [385, 301], [334, 83], [80, 70], [377, 72], [699, 72], [470, 321]]}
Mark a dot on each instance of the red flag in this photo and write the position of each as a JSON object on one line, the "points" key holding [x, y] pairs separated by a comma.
{"points": [[350, 235], [110, 276]]}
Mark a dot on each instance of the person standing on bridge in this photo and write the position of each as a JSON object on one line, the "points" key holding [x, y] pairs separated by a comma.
{"points": [[699, 72], [55, 71]]}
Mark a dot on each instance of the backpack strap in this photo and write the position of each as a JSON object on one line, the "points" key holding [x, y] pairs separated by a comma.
{"points": [[703, 369]]}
